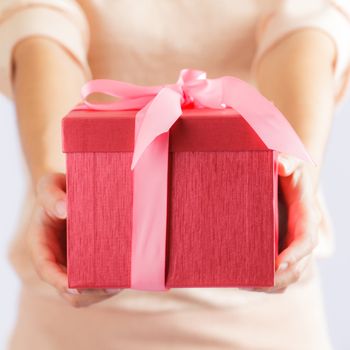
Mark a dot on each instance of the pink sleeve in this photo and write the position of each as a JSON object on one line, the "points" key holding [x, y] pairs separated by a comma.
{"points": [[331, 17], [60, 20]]}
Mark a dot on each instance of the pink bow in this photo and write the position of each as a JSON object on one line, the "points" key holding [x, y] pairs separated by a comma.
{"points": [[159, 108]]}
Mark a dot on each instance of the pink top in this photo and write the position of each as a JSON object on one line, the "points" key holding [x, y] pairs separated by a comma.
{"points": [[149, 42], [114, 39]]}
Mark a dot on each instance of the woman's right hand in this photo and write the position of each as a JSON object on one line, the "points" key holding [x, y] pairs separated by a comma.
{"points": [[47, 242]]}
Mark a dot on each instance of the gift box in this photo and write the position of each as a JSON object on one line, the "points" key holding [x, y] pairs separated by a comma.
{"points": [[174, 186]]}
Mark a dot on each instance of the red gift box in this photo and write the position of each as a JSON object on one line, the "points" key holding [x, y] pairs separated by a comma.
{"points": [[221, 203]]}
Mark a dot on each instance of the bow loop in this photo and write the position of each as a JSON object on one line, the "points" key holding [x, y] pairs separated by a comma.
{"points": [[130, 96]]}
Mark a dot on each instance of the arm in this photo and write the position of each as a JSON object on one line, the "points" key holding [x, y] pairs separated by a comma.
{"points": [[47, 82], [297, 75]]}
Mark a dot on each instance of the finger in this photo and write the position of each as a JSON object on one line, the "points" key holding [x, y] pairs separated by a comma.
{"points": [[82, 300], [297, 188], [300, 247], [267, 290], [52, 196], [291, 274], [287, 164], [93, 291], [286, 276], [113, 290], [45, 262], [303, 221], [303, 233]]}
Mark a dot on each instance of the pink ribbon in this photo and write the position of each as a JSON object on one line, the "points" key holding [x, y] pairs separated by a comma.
{"points": [[159, 108]]}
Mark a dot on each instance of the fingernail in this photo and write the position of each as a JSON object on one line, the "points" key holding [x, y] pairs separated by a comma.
{"points": [[283, 266], [286, 165], [112, 291], [72, 291], [60, 209]]}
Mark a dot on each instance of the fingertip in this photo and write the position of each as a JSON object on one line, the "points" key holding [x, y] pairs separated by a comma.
{"points": [[60, 209], [287, 164], [286, 259], [284, 167], [283, 266], [112, 290], [62, 284], [72, 291]]}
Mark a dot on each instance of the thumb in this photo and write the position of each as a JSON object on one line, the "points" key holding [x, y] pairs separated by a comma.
{"points": [[51, 195], [287, 164]]}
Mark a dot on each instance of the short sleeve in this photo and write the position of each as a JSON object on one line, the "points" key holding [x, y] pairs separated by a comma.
{"points": [[61, 20], [331, 17]]}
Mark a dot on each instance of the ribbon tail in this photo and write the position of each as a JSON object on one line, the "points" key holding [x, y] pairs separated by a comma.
{"points": [[265, 119], [150, 181], [155, 119], [150, 185]]}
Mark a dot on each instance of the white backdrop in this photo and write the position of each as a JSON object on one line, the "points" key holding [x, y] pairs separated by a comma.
{"points": [[335, 274]]}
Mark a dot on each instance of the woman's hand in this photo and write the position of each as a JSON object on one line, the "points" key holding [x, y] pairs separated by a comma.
{"points": [[297, 74], [47, 242], [303, 221], [47, 236]]}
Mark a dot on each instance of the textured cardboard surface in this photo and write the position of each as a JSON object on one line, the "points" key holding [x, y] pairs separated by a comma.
{"points": [[221, 219]]}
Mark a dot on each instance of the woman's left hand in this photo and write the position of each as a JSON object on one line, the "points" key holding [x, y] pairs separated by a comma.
{"points": [[303, 221]]}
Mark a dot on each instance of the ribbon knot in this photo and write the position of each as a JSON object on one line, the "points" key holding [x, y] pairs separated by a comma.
{"points": [[160, 106], [158, 109]]}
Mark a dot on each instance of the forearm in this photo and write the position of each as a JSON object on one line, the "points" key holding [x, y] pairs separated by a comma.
{"points": [[297, 75], [47, 82]]}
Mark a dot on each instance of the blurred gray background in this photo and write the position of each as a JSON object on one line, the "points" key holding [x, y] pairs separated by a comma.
{"points": [[335, 179]]}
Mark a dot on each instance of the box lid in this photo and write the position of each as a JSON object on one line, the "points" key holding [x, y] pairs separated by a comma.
{"points": [[88, 130]]}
